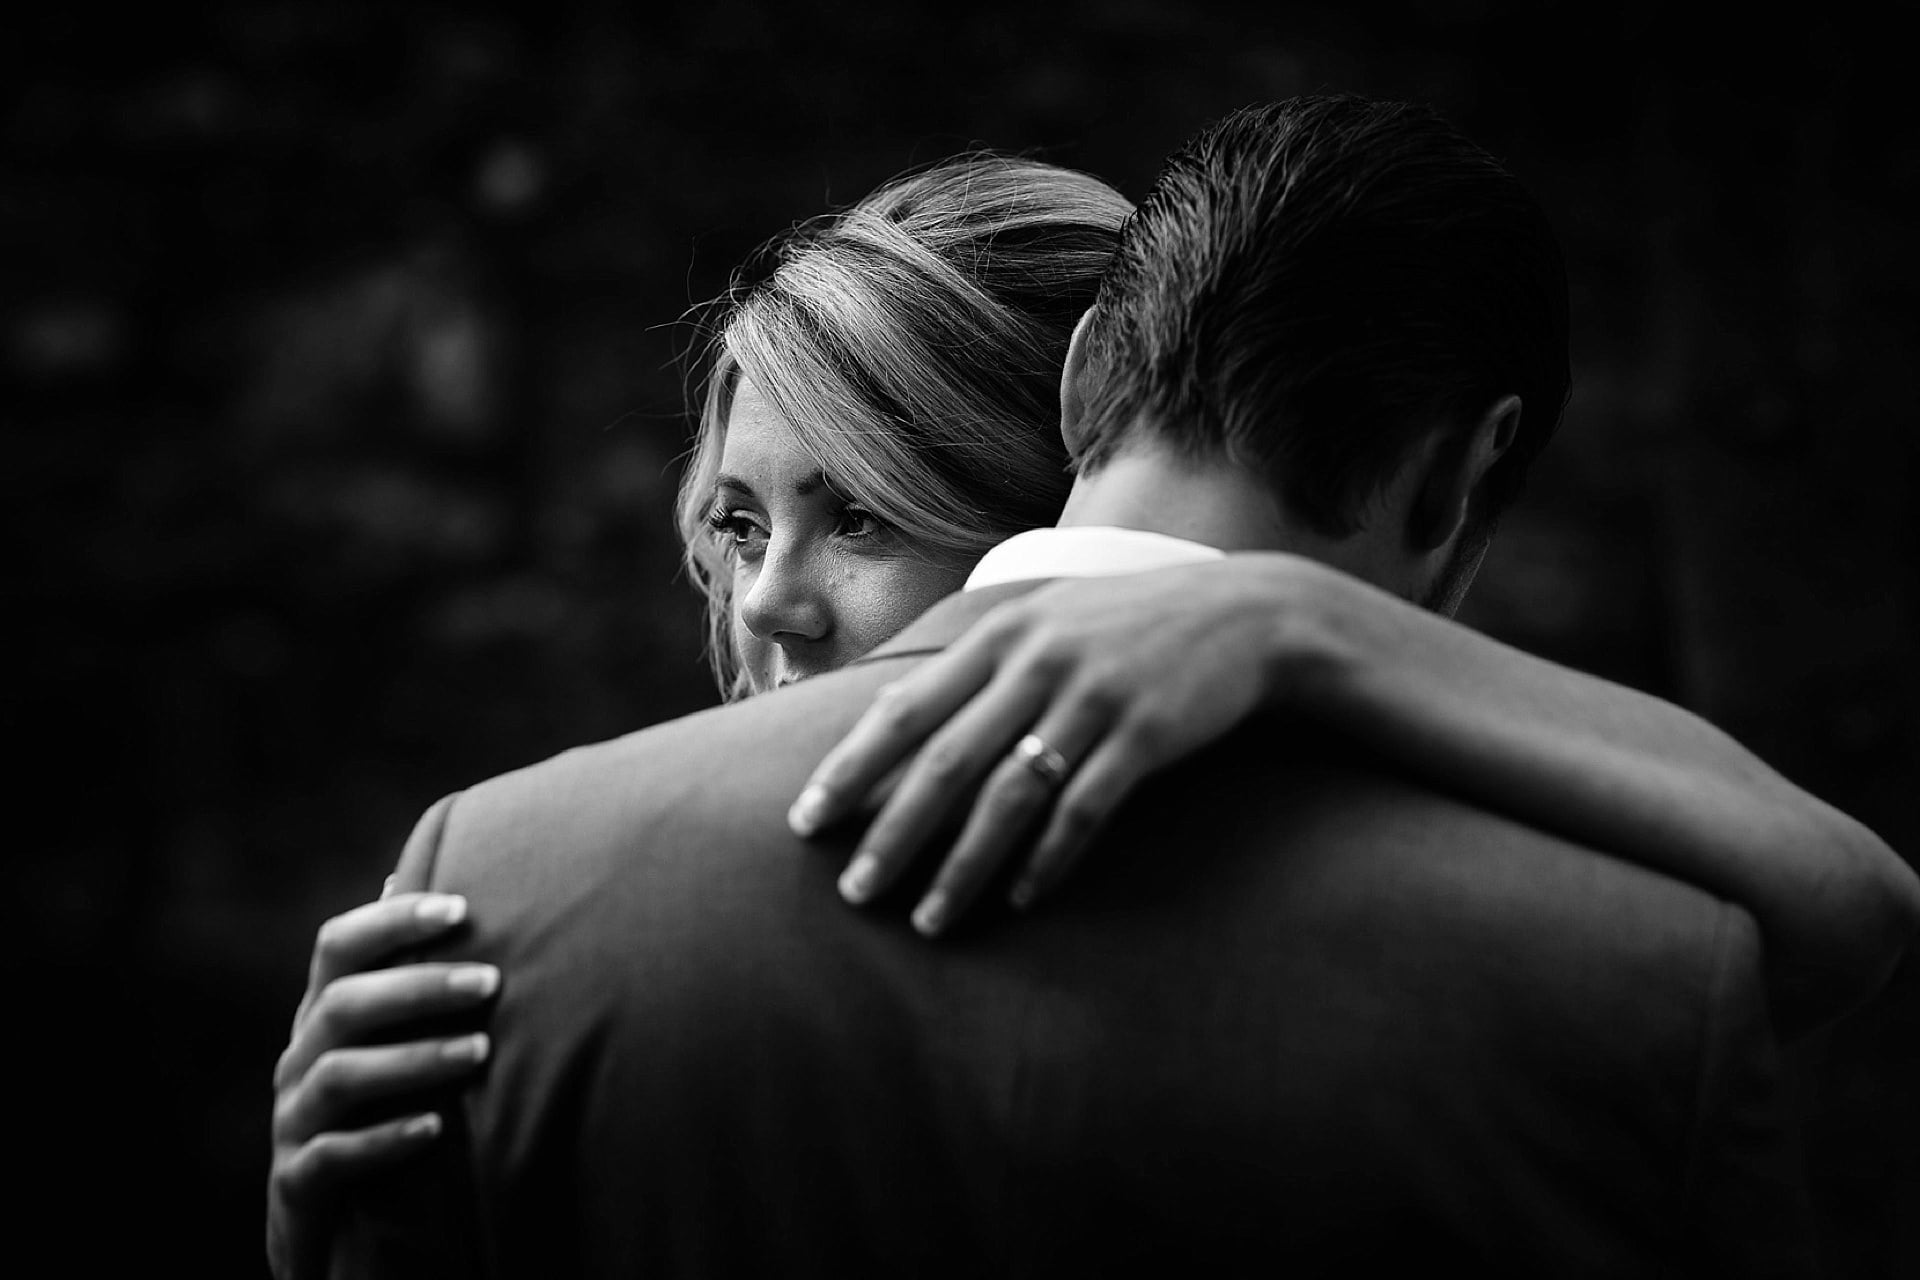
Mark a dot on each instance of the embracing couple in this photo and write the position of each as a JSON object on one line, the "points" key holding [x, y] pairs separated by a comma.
{"points": [[1100, 561]]}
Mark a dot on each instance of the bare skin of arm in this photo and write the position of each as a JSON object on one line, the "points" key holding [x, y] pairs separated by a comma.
{"points": [[1126, 675]]}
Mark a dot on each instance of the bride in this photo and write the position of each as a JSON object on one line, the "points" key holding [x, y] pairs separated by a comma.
{"points": [[881, 409]]}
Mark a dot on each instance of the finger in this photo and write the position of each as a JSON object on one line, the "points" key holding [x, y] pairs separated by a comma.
{"points": [[344, 1082], [903, 713], [945, 773], [1017, 796], [372, 933], [1086, 804], [329, 1161], [359, 1006]]}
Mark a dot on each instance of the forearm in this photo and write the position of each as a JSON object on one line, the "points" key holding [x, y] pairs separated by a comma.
{"points": [[1607, 766]]}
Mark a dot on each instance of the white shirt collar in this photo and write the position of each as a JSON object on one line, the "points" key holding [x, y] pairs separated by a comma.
{"points": [[1084, 551]]}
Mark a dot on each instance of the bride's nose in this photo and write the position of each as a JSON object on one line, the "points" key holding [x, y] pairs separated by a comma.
{"points": [[787, 603]]}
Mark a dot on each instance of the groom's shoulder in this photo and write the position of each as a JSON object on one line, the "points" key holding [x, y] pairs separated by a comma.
{"points": [[726, 749], [727, 771], [760, 746], [1321, 826]]}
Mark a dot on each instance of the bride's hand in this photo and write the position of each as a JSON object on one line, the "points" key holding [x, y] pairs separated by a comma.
{"points": [[338, 1062], [1119, 676]]}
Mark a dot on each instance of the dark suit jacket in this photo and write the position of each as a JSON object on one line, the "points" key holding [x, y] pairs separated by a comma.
{"points": [[1296, 1014]]}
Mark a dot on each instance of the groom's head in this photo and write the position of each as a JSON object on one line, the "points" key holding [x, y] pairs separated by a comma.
{"points": [[1341, 308]]}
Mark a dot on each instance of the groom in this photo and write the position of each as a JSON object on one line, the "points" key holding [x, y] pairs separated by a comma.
{"points": [[1364, 1028]]}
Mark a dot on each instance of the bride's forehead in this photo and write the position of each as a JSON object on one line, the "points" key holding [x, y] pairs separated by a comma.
{"points": [[755, 429], [762, 449]]}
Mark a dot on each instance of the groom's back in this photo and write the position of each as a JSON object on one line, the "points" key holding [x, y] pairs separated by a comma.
{"points": [[1293, 1014]]}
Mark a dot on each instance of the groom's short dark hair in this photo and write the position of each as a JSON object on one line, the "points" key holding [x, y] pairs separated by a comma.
{"points": [[1311, 287]]}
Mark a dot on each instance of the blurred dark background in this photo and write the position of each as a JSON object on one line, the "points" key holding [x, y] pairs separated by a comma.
{"points": [[339, 353]]}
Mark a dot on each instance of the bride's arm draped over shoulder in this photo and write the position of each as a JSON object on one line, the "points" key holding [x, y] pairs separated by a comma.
{"points": [[1123, 676]]}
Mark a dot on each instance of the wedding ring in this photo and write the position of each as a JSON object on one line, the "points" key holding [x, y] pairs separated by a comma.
{"points": [[1047, 764]]}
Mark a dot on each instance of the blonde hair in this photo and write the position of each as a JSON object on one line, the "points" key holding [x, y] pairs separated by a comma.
{"points": [[914, 343]]}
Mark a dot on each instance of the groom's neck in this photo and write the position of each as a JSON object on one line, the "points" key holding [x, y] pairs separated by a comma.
{"points": [[1147, 486]]}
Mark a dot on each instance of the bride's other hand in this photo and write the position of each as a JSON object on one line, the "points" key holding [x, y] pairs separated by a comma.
{"points": [[337, 1064], [1105, 672]]}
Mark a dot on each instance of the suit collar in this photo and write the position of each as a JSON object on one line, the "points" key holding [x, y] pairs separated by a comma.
{"points": [[1085, 551], [941, 625], [1029, 560]]}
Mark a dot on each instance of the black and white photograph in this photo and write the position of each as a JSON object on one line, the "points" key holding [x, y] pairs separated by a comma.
{"points": [[1168, 637]]}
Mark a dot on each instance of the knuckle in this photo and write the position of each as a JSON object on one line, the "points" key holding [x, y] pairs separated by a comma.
{"points": [[964, 868], [1046, 658], [969, 861], [316, 1164], [292, 1178], [325, 1086], [891, 829], [1077, 815], [331, 937], [1015, 789], [943, 762], [334, 1006], [286, 1113], [1148, 734], [1102, 697], [891, 716], [959, 860], [1006, 623]]}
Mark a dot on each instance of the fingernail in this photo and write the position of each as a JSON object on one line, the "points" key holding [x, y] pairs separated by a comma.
{"points": [[467, 1048], [1022, 895], [930, 917], [424, 1126], [807, 811], [857, 881], [441, 908], [475, 979]]}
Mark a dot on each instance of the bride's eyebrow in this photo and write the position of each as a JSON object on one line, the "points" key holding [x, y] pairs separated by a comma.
{"points": [[733, 486], [807, 486]]}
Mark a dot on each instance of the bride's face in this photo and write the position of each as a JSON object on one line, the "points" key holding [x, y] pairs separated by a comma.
{"points": [[818, 580]]}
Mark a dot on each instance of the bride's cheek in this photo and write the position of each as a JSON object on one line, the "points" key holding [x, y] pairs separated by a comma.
{"points": [[907, 592]]}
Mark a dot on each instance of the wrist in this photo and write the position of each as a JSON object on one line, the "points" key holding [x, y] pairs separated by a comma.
{"points": [[1309, 655]]}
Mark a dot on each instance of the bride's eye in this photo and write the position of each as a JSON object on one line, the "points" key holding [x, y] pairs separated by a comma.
{"points": [[737, 532], [858, 522]]}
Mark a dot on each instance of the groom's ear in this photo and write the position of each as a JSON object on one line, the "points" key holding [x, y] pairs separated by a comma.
{"points": [[1453, 467], [1073, 382]]}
